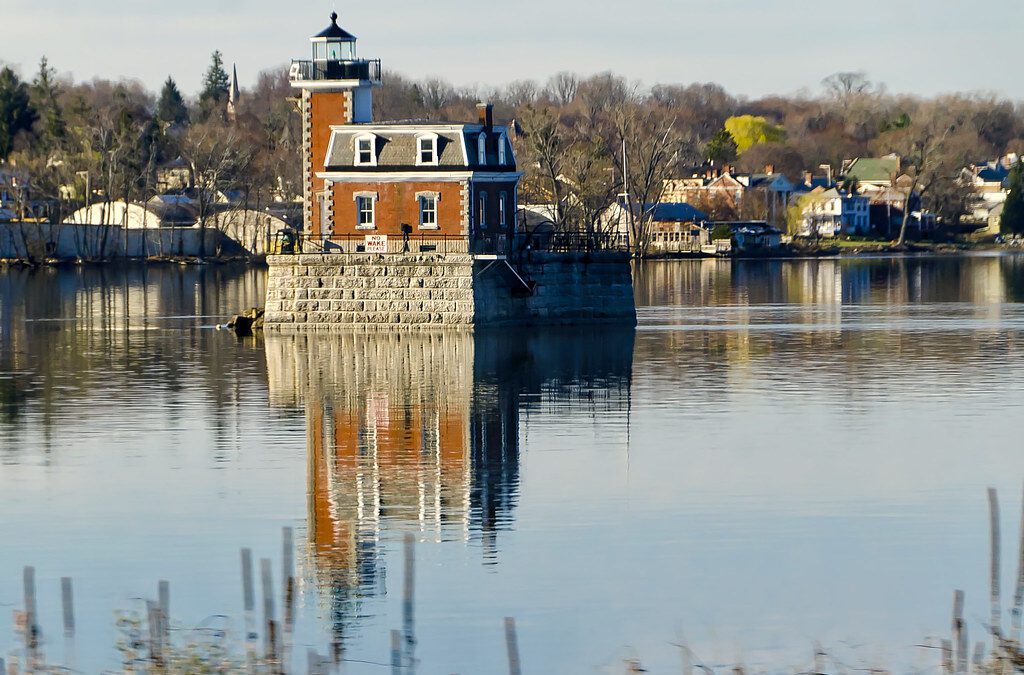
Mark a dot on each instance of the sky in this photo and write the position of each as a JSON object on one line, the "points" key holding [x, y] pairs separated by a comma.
{"points": [[751, 47]]}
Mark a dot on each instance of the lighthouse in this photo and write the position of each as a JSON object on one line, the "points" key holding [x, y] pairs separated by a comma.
{"points": [[336, 88], [414, 223], [396, 186]]}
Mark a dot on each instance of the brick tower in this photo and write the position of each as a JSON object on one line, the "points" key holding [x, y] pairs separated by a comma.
{"points": [[337, 88]]}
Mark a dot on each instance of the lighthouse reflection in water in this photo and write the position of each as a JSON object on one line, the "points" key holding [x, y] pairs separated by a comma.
{"points": [[420, 433]]}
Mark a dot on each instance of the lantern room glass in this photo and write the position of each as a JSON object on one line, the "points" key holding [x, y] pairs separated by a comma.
{"points": [[334, 50]]}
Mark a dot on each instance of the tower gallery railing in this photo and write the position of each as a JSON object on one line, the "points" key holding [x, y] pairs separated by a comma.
{"points": [[362, 70]]}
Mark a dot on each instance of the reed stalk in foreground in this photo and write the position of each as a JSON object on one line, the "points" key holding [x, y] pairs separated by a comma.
{"points": [[148, 644]]}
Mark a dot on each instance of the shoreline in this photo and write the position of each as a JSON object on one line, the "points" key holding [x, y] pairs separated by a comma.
{"points": [[785, 252], [847, 250], [21, 263]]}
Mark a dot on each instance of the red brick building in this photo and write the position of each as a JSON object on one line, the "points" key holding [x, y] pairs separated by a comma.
{"points": [[395, 186]]}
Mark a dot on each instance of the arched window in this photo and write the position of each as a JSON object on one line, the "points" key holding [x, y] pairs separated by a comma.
{"points": [[502, 142], [481, 149]]}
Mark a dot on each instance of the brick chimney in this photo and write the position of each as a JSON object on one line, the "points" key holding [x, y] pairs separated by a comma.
{"points": [[769, 169], [485, 114]]}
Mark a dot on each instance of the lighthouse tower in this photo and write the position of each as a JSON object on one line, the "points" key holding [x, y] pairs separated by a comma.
{"points": [[337, 88]]}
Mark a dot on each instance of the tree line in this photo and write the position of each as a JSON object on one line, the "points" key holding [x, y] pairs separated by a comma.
{"points": [[581, 141], [81, 142]]}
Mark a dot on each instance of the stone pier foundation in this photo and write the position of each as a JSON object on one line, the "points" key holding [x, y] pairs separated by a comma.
{"points": [[344, 291]]}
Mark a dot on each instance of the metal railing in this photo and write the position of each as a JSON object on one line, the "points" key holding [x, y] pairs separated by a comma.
{"points": [[362, 69], [428, 242], [392, 244]]}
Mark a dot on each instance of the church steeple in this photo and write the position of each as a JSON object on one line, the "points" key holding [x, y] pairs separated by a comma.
{"points": [[233, 93]]}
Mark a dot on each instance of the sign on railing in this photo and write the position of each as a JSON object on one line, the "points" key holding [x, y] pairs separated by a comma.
{"points": [[376, 243]]}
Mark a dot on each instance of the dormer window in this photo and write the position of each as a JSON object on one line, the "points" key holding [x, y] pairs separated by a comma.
{"points": [[426, 150], [502, 141], [481, 149], [365, 151]]}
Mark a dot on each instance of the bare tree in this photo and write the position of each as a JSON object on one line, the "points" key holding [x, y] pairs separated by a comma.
{"points": [[845, 85], [436, 94], [219, 162], [544, 143], [521, 93], [562, 88], [648, 142], [935, 146]]}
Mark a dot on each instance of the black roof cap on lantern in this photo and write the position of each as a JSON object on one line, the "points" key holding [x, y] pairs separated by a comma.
{"points": [[334, 31]]}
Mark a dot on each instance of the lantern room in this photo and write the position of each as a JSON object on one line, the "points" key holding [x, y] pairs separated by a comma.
{"points": [[333, 44], [334, 59]]}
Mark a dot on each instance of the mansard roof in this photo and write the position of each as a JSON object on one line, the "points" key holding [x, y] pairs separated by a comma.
{"points": [[396, 148]]}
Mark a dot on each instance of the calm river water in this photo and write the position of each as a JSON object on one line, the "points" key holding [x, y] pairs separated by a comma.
{"points": [[782, 453]]}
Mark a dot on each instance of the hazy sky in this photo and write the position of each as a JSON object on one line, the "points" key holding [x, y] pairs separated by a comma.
{"points": [[752, 47]]}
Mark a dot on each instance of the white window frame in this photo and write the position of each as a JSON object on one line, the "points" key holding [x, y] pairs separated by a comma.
{"points": [[481, 210], [481, 149], [436, 197], [372, 140], [502, 153], [372, 197], [432, 140], [502, 198]]}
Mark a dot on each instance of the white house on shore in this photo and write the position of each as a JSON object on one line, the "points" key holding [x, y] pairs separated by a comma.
{"points": [[827, 213]]}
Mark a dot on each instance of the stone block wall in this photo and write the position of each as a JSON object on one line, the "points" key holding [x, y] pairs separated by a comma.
{"points": [[344, 291], [569, 288], [325, 291]]}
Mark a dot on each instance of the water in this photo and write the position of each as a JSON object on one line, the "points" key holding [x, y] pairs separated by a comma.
{"points": [[782, 453]]}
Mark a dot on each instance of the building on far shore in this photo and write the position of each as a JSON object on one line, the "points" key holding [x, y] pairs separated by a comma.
{"points": [[674, 227], [872, 173], [828, 213]]}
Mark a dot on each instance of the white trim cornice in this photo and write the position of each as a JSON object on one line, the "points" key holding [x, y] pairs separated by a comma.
{"points": [[341, 177], [333, 85]]}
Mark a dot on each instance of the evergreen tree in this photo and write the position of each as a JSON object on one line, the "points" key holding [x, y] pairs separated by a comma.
{"points": [[16, 111], [45, 94], [1012, 221], [171, 107], [721, 148], [215, 85]]}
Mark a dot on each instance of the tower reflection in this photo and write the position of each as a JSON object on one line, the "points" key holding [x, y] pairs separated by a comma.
{"points": [[421, 432]]}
